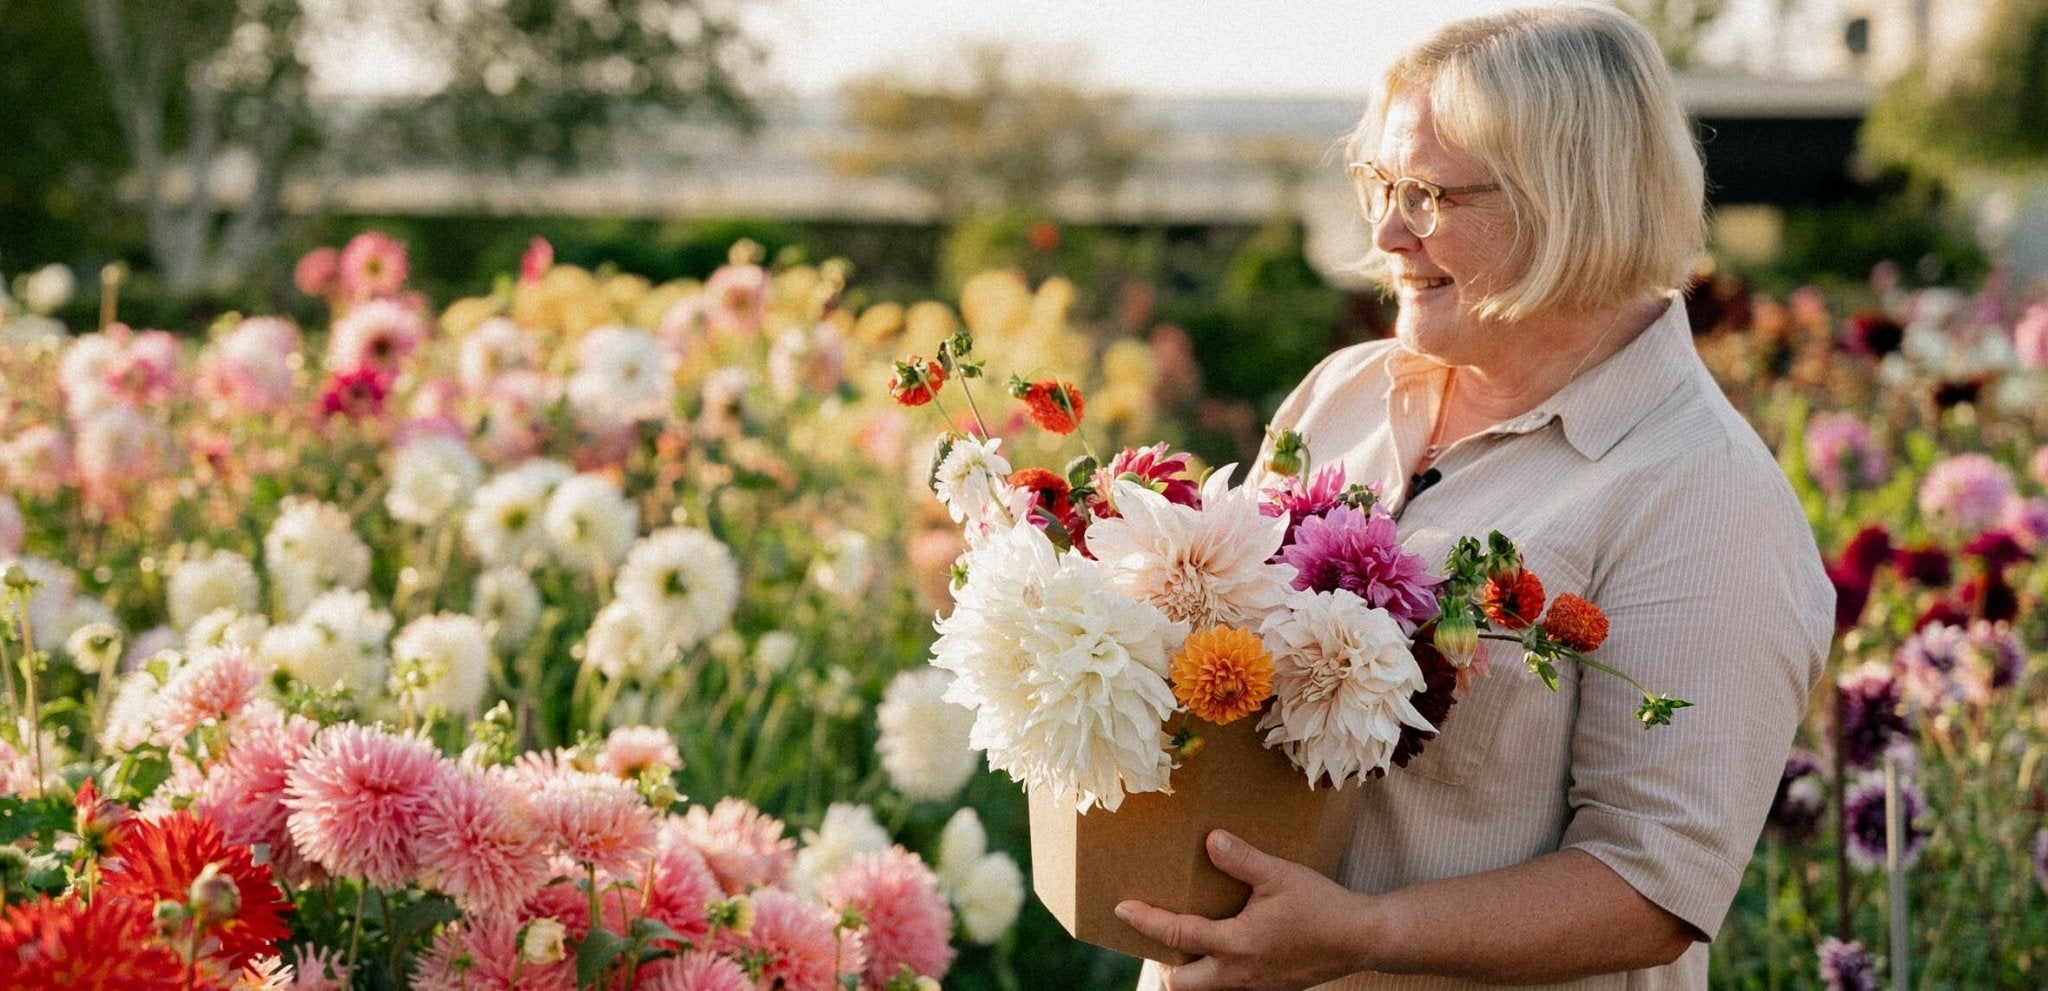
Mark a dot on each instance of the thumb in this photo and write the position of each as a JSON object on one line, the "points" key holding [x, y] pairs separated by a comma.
{"points": [[1247, 863]]}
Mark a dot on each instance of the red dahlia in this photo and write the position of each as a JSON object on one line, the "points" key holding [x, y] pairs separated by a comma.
{"points": [[1512, 600], [159, 861], [68, 946], [1576, 623]]}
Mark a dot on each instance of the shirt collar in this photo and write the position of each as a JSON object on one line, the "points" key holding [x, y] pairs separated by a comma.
{"points": [[1602, 405], [1599, 407]]}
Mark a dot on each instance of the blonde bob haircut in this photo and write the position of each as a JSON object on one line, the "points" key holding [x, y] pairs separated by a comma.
{"points": [[1573, 112]]}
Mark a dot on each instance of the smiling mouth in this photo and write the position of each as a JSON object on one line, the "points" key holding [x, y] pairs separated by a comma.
{"points": [[1418, 283]]}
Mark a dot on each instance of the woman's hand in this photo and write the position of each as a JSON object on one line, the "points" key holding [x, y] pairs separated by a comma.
{"points": [[1299, 929]]}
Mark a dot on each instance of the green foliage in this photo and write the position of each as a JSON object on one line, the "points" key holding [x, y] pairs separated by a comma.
{"points": [[1267, 323], [1840, 243], [1981, 111]]}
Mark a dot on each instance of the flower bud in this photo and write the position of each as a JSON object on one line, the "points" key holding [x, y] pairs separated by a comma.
{"points": [[169, 917], [543, 941], [214, 897], [13, 868], [1457, 636], [15, 575], [735, 914]]}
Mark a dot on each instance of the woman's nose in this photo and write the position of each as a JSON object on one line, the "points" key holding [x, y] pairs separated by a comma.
{"points": [[1392, 234]]}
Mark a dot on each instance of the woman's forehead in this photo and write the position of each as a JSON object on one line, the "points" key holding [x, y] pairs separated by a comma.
{"points": [[1410, 143]]}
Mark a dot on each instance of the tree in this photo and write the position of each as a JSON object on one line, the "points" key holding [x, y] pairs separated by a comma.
{"points": [[988, 135], [1983, 112], [63, 143], [210, 91], [1676, 24]]}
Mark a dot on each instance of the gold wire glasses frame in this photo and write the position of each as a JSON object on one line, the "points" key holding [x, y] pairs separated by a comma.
{"points": [[1419, 200]]}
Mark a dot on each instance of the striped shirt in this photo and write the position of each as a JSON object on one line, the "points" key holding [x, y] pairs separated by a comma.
{"points": [[1639, 487]]}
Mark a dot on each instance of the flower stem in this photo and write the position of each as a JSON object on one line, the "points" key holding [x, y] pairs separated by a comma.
{"points": [[971, 408], [355, 932]]}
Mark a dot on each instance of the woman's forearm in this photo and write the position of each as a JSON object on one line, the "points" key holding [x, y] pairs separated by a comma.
{"points": [[1555, 918]]}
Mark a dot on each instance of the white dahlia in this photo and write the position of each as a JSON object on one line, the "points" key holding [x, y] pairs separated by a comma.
{"points": [[338, 640], [200, 585], [495, 347], [962, 844], [432, 477], [504, 519], [972, 483], [1067, 678], [622, 377], [923, 738], [588, 523], [687, 578], [508, 604], [989, 898], [442, 662], [310, 549], [625, 642], [222, 627], [1204, 567], [1342, 677]]}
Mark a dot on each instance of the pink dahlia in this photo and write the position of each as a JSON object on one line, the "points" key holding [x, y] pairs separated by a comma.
{"points": [[1840, 454], [534, 264], [1967, 492], [244, 791], [743, 846], [249, 370], [2027, 521], [358, 394], [372, 264], [212, 686], [681, 886], [905, 921], [38, 461], [631, 750], [477, 840], [356, 800], [481, 953], [799, 942], [378, 334], [318, 273], [1355, 550], [2030, 337], [1298, 497], [1151, 467], [737, 298], [594, 819], [319, 969], [693, 971], [144, 372]]}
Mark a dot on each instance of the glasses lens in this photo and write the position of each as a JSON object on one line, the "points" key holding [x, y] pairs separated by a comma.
{"points": [[1371, 191], [1418, 208]]}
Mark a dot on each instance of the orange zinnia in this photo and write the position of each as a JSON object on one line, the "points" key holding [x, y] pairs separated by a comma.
{"points": [[1512, 600], [1223, 673], [1576, 623]]}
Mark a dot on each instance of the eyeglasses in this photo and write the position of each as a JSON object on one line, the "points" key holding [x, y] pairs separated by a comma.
{"points": [[1419, 200]]}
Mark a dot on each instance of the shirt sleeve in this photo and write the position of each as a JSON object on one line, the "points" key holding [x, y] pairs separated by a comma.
{"points": [[1714, 594]]}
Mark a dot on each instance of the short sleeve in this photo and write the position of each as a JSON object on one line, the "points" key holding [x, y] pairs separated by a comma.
{"points": [[1714, 593]]}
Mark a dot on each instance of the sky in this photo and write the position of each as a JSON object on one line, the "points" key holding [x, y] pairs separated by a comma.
{"points": [[1266, 48]]}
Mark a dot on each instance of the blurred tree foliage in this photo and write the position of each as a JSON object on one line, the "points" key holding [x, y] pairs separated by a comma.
{"points": [[64, 146], [1676, 24], [1984, 112], [989, 135], [216, 119]]}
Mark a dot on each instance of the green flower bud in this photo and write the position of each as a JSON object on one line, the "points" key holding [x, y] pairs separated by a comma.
{"points": [[214, 897], [1457, 636]]}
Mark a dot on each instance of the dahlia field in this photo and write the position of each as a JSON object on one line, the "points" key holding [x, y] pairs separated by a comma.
{"points": [[576, 635]]}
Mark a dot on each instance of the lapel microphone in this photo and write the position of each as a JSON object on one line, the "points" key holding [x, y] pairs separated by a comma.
{"points": [[1418, 484]]}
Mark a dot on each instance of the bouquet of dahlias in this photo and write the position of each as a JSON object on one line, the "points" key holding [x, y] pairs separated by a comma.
{"points": [[1099, 613]]}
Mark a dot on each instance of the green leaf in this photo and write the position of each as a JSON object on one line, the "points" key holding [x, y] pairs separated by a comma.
{"points": [[596, 952], [1543, 668], [1657, 711], [647, 929], [412, 919], [21, 817]]}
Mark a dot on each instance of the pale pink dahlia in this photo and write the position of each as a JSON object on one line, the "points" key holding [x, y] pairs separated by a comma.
{"points": [[800, 942], [1299, 497], [477, 840], [213, 685], [906, 922], [319, 969], [631, 750], [482, 954], [377, 335], [1357, 551], [1841, 455], [2030, 337], [693, 971], [594, 819], [244, 791], [356, 800], [743, 846], [1967, 492], [736, 298]]}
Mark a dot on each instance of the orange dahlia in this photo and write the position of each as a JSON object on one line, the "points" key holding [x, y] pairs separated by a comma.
{"points": [[1223, 673], [164, 860], [1512, 600], [1054, 406], [917, 380], [1576, 623], [1045, 485]]}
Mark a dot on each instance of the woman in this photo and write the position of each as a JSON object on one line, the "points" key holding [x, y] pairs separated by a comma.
{"points": [[1536, 195]]}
